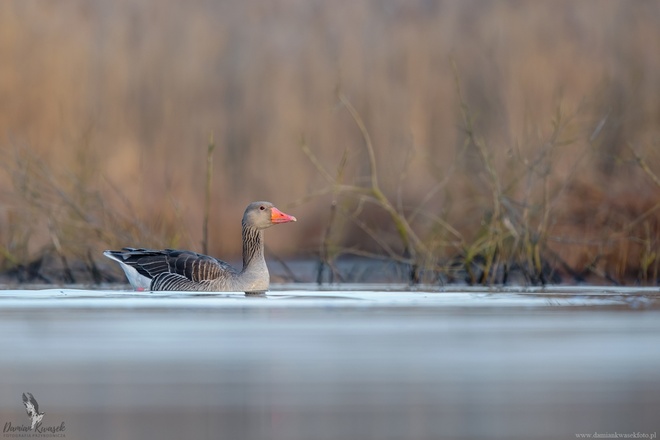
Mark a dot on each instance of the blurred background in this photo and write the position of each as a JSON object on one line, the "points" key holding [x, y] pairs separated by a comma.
{"points": [[534, 123]]}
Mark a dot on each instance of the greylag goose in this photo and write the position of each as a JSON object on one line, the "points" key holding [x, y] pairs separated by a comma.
{"points": [[170, 269]]}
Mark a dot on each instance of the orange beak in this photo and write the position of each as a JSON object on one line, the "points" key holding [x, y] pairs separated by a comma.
{"points": [[277, 216]]}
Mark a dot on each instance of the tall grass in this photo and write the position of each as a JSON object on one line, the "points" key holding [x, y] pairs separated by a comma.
{"points": [[109, 107]]}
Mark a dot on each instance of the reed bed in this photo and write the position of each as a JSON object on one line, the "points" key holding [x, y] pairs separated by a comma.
{"points": [[481, 142]]}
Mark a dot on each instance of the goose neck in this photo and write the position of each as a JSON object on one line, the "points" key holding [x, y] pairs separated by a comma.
{"points": [[253, 246]]}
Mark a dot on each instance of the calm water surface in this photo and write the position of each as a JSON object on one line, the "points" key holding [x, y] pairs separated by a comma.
{"points": [[334, 364]]}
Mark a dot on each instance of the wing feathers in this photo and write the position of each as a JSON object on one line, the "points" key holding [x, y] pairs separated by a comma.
{"points": [[170, 268]]}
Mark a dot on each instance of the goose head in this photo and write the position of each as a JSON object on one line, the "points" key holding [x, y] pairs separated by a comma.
{"points": [[262, 215]]}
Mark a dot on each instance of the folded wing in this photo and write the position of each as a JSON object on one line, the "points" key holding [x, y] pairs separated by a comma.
{"points": [[170, 269]]}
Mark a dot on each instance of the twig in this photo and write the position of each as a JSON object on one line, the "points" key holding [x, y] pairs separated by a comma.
{"points": [[324, 257], [207, 195], [642, 163], [401, 224]]}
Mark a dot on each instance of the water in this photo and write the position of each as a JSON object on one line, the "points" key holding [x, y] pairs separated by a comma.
{"points": [[340, 363]]}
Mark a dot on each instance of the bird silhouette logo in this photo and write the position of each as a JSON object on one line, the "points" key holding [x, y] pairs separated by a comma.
{"points": [[32, 409]]}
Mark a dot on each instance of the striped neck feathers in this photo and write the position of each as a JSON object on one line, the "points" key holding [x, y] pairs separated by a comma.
{"points": [[253, 246]]}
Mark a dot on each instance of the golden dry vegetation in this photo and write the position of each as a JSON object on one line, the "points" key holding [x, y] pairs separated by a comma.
{"points": [[504, 133]]}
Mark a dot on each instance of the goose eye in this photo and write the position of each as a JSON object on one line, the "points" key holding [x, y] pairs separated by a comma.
{"points": [[262, 207]]}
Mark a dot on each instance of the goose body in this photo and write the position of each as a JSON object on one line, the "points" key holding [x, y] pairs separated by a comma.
{"points": [[170, 269]]}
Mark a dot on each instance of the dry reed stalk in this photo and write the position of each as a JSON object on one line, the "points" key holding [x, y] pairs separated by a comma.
{"points": [[207, 194]]}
